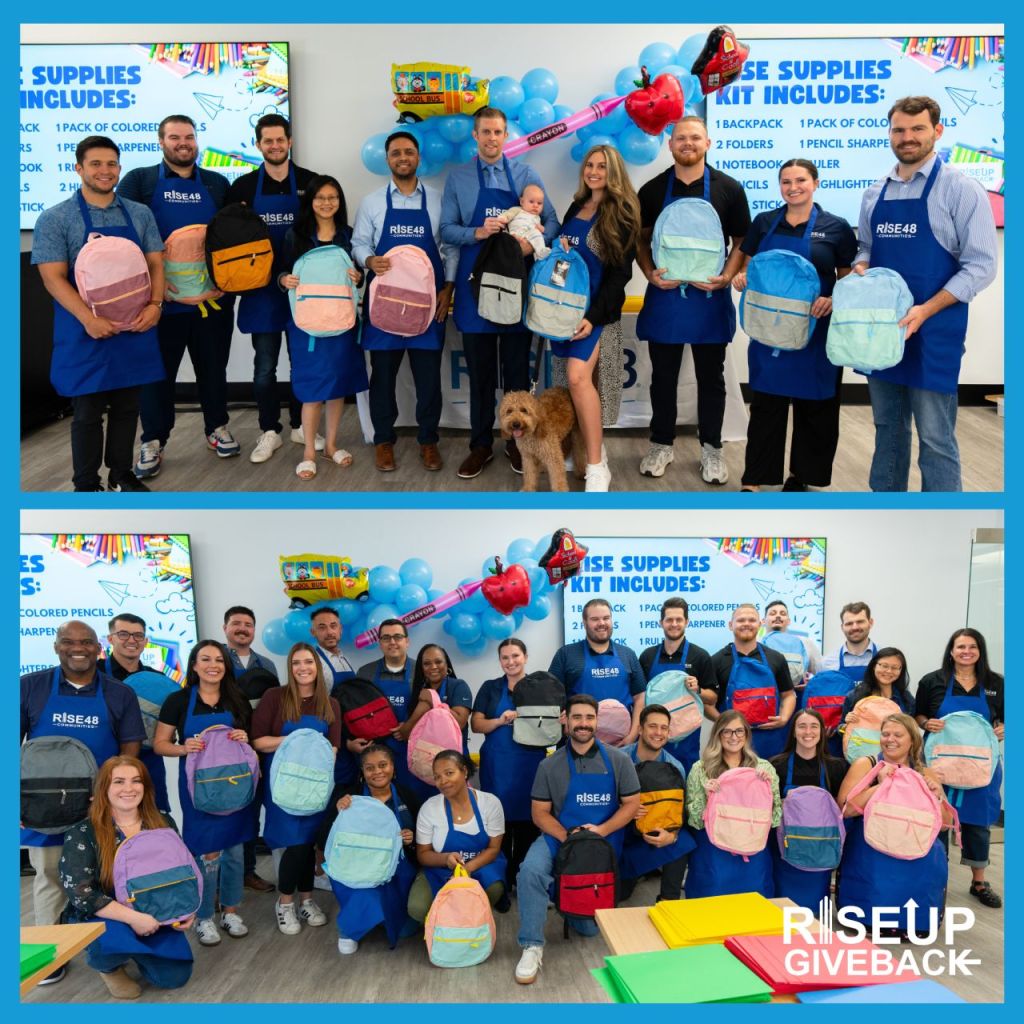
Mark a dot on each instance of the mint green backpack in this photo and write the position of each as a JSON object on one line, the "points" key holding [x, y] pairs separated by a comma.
{"points": [[864, 332], [302, 773]]}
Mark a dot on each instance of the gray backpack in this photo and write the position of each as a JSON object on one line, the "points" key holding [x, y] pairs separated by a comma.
{"points": [[57, 774], [539, 699]]}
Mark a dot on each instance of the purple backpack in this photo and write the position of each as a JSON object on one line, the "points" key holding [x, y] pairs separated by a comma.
{"points": [[155, 874], [222, 776], [811, 833]]}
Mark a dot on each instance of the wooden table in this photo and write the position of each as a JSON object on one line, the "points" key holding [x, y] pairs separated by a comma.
{"points": [[69, 940]]}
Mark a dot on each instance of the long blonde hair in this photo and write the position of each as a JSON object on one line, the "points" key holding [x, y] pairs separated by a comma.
{"points": [[713, 756], [617, 224], [291, 702], [916, 755]]}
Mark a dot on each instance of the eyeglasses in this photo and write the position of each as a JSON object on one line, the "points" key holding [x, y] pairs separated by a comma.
{"points": [[123, 634], [392, 638], [733, 734], [326, 199]]}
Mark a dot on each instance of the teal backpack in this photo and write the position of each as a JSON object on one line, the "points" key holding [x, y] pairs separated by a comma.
{"points": [[302, 773], [324, 301], [364, 846], [688, 241], [775, 307], [557, 301], [864, 332], [965, 753], [790, 646]]}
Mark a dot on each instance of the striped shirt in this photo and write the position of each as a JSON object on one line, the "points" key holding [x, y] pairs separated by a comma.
{"points": [[960, 217]]}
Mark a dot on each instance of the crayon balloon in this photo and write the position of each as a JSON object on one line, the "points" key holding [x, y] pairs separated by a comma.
{"points": [[516, 147], [425, 611]]}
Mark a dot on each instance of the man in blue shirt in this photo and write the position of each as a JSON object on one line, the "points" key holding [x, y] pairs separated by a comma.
{"points": [[474, 195]]}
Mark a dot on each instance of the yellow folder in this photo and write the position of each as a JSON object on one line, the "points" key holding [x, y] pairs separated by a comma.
{"points": [[714, 918]]}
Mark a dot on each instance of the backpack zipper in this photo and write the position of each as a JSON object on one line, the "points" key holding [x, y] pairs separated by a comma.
{"points": [[233, 779], [163, 885], [251, 257], [117, 298]]}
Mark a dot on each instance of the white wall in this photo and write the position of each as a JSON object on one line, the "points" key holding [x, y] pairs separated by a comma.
{"points": [[340, 97]]}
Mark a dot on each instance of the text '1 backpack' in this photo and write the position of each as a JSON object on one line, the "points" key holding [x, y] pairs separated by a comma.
{"points": [[302, 773], [825, 693], [688, 241], [539, 699], [239, 255], [811, 833], [437, 730], [365, 711], [498, 279], [185, 268], [586, 875], [864, 332], [775, 307], [364, 846], [965, 754], [404, 300], [791, 647], [459, 929], [863, 739], [613, 720], [685, 708], [738, 815], [323, 303], [155, 874], [57, 773], [221, 777], [112, 278], [662, 793], [558, 296]]}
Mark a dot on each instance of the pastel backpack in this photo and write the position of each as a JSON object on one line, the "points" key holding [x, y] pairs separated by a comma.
{"points": [[688, 241], [791, 647], [826, 693], [364, 846], [613, 720], [662, 790], [685, 708], [437, 730], [185, 267], [811, 833], [965, 754], [459, 929], [57, 773], [738, 815], [112, 278], [152, 689], [558, 296], [221, 777], [302, 773], [864, 738], [539, 699], [323, 303], [155, 874], [864, 331], [775, 307], [404, 300]]}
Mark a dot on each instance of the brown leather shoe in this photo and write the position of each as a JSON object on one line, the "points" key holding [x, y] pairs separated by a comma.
{"points": [[514, 455], [385, 457], [474, 463], [120, 986], [258, 884], [430, 457]]}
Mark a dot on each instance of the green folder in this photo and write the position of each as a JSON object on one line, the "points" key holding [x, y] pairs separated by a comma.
{"points": [[35, 955], [607, 981]]}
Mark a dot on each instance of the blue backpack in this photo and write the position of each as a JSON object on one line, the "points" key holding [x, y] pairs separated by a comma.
{"points": [[558, 295], [688, 241], [364, 846], [825, 693], [775, 307], [864, 332], [302, 773], [791, 647], [965, 754], [324, 302], [152, 689]]}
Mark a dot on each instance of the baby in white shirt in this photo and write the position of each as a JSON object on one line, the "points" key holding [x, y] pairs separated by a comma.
{"points": [[523, 221]]}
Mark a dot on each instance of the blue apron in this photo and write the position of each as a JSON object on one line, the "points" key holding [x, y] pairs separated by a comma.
{"points": [[281, 829], [805, 373], [688, 750], [266, 309], [209, 833], [337, 675], [97, 735], [604, 677], [405, 227], [931, 358], [399, 694], [579, 807], [361, 910], [804, 888], [322, 368], [490, 202], [507, 768], [973, 806], [82, 365], [693, 317], [468, 846], [853, 672], [576, 232], [746, 673]]}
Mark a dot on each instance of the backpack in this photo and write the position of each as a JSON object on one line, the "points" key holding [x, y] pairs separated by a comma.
{"points": [[185, 267], [863, 739], [459, 929], [498, 279], [254, 683], [811, 833], [775, 307], [791, 647], [155, 874], [221, 777], [586, 875], [404, 300], [684, 706], [365, 712], [756, 703], [965, 754], [738, 816], [825, 693], [239, 255], [661, 792], [558, 296], [613, 720], [112, 278], [364, 846], [866, 310], [323, 303], [539, 699], [437, 730], [57, 773], [152, 689], [302, 773], [688, 241]]}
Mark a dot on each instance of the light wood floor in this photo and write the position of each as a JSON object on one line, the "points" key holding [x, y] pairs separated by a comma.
{"points": [[190, 466], [266, 966]]}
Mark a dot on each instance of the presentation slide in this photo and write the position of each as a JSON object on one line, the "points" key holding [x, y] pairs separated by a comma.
{"points": [[714, 575], [93, 577], [124, 91], [827, 100]]}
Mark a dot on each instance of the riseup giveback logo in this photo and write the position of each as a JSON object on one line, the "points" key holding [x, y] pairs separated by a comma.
{"points": [[822, 951]]}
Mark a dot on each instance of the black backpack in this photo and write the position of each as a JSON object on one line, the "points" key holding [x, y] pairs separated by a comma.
{"points": [[662, 793], [586, 875], [254, 682], [239, 255], [498, 279], [365, 712], [539, 699]]}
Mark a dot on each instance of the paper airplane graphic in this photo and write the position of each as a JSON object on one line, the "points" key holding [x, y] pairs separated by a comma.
{"points": [[764, 587], [213, 105], [118, 592], [963, 98]]}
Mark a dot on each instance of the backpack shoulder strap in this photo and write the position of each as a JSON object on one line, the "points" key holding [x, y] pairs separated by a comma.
{"points": [[868, 779]]}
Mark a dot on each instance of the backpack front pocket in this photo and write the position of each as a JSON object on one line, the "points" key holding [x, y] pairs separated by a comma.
{"points": [[775, 321], [686, 258], [166, 895], [501, 299]]}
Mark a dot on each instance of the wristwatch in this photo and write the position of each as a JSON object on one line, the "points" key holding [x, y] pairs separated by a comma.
{"points": [[153, 302]]}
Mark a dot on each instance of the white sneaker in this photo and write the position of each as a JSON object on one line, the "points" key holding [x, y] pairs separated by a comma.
{"points": [[269, 442], [287, 921], [712, 465], [233, 925], [206, 933], [657, 459], [322, 882], [151, 454], [604, 455], [298, 437], [223, 443], [312, 914], [598, 477], [346, 947], [529, 965]]}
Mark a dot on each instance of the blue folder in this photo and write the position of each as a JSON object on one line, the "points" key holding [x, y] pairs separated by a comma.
{"points": [[924, 991]]}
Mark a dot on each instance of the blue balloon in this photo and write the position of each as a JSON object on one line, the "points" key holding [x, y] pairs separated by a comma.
{"points": [[539, 608], [562, 112], [507, 95], [677, 70], [475, 648], [409, 596], [638, 147], [426, 169], [517, 618], [374, 158], [690, 51], [465, 627], [275, 639], [475, 603], [454, 127], [449, 627], [655, 56], [579, 151], [539, 582], [435, 151], [379, 614], [692, 91], [416, 570], [540, 84], [296, 625], [495, 625], [384, 583], [349, 612], [535, 113], [527, 563], [522, 547], [541, 547], [467, 150], [434, 593], [610, 123], [601, 139], [487, 569], [515, 131], [626, 79]]}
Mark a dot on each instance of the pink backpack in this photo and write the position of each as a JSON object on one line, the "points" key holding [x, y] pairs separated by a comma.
{"points": [[613, 720], [459, 929], [864, 738], [903, 816], [185, 268], [113, 278], [404, 300], [437, 730], [738, 816]]}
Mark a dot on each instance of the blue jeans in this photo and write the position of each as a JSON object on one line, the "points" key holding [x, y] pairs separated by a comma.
{"points": [[934, 414], [533, 892], [225, 872], [266, 348], [159, 971]]}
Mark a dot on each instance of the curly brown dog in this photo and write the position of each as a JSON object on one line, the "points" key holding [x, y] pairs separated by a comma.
{"points": [[539, 424]]}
